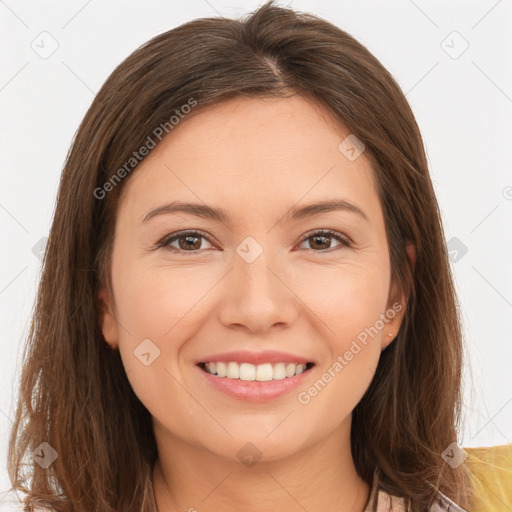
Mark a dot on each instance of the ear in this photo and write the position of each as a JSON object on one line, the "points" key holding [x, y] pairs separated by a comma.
{"points": [[410, 248], [108, 322], [397, 303]]}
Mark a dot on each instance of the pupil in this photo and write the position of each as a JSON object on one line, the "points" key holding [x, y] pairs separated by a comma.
{"points": [[189, 245], [321, 237]]}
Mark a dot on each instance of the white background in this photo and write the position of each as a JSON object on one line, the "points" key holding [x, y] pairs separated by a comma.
{"points": [[463, 106]]}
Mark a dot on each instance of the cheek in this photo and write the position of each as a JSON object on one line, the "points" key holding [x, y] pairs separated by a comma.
{"points": [[156, 303], [338, 388], [158, 311], [348, 303], [157, 315], [346, 298]]}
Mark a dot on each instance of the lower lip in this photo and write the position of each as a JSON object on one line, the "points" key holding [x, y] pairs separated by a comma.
{"points": [[255, 391]]}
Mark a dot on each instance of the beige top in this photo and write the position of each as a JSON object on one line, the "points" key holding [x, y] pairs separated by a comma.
{"points": [[389, 503]]}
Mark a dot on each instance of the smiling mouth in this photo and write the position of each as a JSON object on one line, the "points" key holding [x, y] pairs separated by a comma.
{"points": [[250, 372]]}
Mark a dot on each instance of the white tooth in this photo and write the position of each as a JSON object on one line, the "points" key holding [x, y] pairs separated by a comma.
{"points": [[247, 371], [221, 369], [264, 372], [290, 369], [233, 371], [279, 371]]}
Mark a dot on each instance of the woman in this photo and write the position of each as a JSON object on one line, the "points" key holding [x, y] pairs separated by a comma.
{"points": [[246, 301]]}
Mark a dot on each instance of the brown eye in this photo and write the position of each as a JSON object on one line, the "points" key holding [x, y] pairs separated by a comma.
{"points": [[322, 240], [188, 241]]}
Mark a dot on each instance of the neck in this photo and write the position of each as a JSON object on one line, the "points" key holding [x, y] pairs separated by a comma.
{"points": [[318, 478]]}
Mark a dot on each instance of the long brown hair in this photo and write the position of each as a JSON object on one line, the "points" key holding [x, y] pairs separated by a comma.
{"points": [[74, 393]]}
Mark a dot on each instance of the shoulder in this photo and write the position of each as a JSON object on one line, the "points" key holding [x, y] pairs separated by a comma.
{"points": [[491, 473], [389, 503], [490, 470]]}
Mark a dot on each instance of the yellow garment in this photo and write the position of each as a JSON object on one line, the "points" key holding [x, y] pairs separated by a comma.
{"points": [[491, 471]]}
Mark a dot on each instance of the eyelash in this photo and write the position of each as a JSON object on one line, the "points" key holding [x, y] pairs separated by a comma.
{"points": [[164, 243]]}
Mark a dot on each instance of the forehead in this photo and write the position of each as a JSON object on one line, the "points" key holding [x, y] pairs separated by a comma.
{"points": [[247, 152]]}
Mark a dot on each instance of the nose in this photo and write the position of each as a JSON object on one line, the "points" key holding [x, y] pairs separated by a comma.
{"points": [[259, 295]]}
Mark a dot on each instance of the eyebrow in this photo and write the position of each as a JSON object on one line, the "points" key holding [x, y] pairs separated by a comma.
{"points": [[220, 215]]}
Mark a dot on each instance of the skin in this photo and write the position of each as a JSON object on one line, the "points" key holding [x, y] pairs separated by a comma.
{"points": [[256, 158]]}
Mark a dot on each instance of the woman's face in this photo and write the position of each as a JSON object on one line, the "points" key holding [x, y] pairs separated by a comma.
{"points": [[258, 281]]}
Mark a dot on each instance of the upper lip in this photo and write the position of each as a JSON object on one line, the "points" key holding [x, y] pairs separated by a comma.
{"points": [[266, 356]]}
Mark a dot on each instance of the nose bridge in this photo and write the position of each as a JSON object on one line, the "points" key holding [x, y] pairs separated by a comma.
{"points": [[255, 268], [258, 293]]}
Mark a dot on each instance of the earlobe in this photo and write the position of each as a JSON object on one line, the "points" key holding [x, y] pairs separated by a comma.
{"points": [[387, 340], [410, 248], [107, 320], [394, 315]]}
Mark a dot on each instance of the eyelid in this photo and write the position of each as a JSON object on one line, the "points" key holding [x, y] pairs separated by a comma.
{"points": [[344, 239], [177, 234]]}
